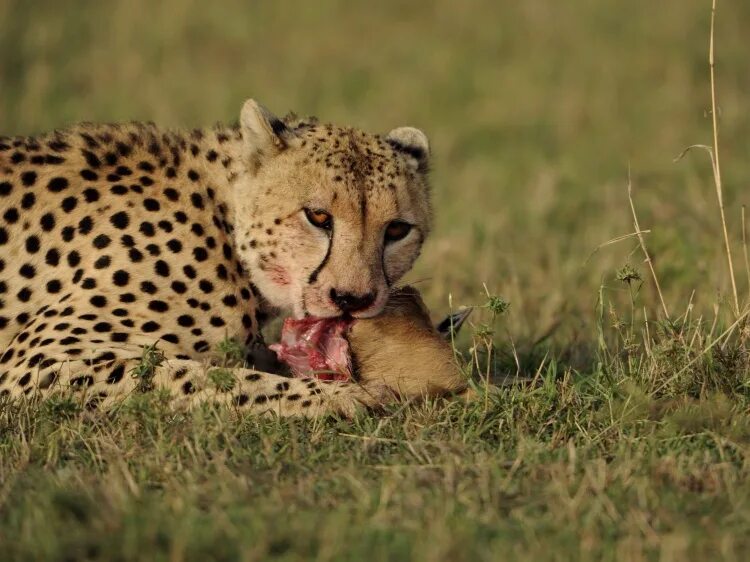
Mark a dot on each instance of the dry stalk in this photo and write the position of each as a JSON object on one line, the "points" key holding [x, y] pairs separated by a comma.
{"points": [[744, 250], [715, 161], [639, 232], [713, 152]]}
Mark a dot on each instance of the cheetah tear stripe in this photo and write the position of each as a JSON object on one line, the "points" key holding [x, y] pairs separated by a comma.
{"points": [[316, 347]]}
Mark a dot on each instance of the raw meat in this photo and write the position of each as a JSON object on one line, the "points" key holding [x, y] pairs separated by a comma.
{"points": [[316, 347]]}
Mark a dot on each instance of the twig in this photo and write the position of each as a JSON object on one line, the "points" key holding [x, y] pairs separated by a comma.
{"points": [[639, 232], [370, 438], [614, 241], [647, 338]]}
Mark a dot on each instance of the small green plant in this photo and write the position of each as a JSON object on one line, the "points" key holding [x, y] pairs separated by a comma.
{"points": [[60, 407], [231, 352], [484, 335], [145, 370], [222, 379], [628, 274], [497, 305], [632, 278]]}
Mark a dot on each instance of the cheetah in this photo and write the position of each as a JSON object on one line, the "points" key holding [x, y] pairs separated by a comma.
{"points": [[118, 238]]}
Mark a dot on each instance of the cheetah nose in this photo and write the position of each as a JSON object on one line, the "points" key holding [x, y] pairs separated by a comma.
{"points": [[349, 302]]}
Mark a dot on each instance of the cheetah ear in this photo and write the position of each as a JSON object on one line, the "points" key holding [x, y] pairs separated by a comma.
{"points": [[450, 326], [264, 134], [412, 142]]}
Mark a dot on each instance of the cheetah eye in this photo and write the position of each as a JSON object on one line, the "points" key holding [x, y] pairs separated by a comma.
{"points": [[319, 218], [397, 230]]}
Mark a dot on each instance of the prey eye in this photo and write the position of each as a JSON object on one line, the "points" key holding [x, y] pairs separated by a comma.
{"points": [[319, 218], [397, 230]]}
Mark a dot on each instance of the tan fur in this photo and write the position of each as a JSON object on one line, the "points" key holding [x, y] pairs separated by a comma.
{"points": [[400, 349], [360, 179]]}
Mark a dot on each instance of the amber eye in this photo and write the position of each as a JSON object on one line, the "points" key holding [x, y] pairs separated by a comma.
{"points": [[396, 230], [319, 218]]}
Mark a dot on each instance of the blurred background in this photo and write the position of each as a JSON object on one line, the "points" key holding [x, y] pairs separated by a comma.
{"points": [[535, 110]]}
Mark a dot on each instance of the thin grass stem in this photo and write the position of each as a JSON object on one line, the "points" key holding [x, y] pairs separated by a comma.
{"points": [[716, 163], [642, 242]]}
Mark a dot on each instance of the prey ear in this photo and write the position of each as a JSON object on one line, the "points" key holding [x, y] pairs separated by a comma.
{"points": [[263, 133], [413, 143], [452, 323]]}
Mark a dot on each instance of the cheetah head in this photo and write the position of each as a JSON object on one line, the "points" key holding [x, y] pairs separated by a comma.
{"points": [[327, 218]]}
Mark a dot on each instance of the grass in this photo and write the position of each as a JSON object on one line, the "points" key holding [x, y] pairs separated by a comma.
{"points": [[144, 373], [571, 468], [625, 430]]}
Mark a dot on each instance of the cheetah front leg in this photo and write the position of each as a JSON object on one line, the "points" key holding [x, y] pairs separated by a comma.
{"points": [[106, 383], [258, 392]]}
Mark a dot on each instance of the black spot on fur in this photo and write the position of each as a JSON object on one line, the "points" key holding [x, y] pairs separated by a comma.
{"points": [[27, 270], [196, 200], [91, 195], [52, 257], [28, 200], [116, 375], [120, 220], [151, 205], [179, 287], [58, 184], [74, 258], [158, 306], [185, 320], [47, 222], [69, 203], [11, 215], [85, 225], [120, 277], [101, 241], [150, 326], [148, 287], [27, 179]]}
